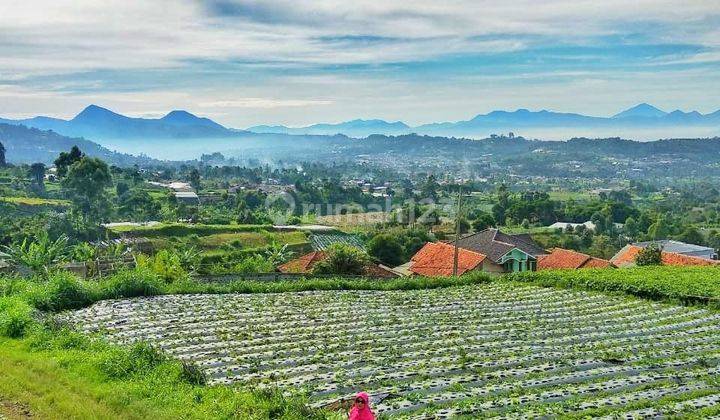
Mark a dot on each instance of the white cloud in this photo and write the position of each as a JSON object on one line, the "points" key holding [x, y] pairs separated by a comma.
{"points": [[44, 42], [265, 103]]}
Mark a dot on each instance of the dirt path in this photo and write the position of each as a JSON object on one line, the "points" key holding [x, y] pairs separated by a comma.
{"points": [[14, 410]]}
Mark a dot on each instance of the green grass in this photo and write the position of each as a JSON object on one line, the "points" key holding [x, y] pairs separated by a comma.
{"points": [[570, 195], [252, 239], [180, 229], [32, 201], [61, 375], [685, 284]]}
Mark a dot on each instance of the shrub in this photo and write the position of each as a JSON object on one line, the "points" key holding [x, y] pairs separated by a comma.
{"points": [[342, 259], [166, 264], [131, 283], [386, 248], [119, 362], [650, 255], [15, 317], [63, 291]]}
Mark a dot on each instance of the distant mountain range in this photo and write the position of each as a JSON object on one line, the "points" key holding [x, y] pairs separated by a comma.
{"points": [[95, 122], [641, 122], [643, 116]]}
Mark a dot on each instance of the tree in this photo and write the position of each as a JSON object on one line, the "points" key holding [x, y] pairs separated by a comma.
{"points": [[483, 221], [195, 179], [67, 159], [85, 185], [650, 255], [138, 206], [601, 247], [121, 188], [2, 156], [37, 173], [599, 221], [692, 236], [429, 188], [631, 227], [342, 259], [386, 248]]}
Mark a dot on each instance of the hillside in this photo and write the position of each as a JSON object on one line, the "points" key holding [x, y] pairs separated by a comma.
{"points": [[29, 145]]}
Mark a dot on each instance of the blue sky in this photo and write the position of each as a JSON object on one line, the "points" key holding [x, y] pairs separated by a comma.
{"points": [[300, 62]]}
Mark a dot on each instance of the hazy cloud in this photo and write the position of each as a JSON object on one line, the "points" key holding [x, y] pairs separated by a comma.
{"points": [[292, 55]]}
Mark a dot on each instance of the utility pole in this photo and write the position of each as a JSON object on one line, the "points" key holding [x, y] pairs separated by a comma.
{"points": [[457, 233]]}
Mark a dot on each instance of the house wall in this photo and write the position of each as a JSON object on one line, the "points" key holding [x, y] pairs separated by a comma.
{"points": [[488, 266], [516, 260]]}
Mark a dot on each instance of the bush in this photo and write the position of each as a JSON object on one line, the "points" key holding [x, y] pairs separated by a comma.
{"points": [[131, 283], [15, 317], [120, 362], [63, 291], [386, 248], [342, 259], [650, 255], [166, 264]]}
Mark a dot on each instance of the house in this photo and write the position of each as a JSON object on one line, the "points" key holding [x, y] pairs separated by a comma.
{"points": [[513, 252], [561, 258], [683, 248], [305, 264], [438, 259], [627, 255]]}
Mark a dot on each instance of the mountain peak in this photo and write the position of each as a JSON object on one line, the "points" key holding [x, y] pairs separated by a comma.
{"points": [[641, 110], [94, 112], [179, 115]]}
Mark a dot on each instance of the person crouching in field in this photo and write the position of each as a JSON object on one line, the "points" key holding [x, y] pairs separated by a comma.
{"points": [[361, 408]]}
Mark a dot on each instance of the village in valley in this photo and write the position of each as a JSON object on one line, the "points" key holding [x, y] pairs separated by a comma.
{"points": [[359, 210]]}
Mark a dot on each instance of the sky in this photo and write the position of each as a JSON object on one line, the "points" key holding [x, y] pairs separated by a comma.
{"points": [[298, 62]]}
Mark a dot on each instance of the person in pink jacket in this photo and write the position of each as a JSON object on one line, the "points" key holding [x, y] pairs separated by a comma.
{"points": [[361, 408]]}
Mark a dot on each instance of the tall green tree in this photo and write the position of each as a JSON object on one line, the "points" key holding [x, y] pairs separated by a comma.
{"points": [[85, 185], [67, 159], [2, 156], [194, 177], [386, 248], [430, 188], [37, 174]]}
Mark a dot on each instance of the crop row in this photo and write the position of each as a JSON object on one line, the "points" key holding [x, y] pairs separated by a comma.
{"points": [[498, 348]]}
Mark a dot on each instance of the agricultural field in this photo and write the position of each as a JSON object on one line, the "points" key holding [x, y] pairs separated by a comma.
{"points": [[502, 349], [321, 242]]}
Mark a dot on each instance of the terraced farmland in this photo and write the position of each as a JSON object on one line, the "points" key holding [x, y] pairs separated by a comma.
{"points": [[500, 349]]}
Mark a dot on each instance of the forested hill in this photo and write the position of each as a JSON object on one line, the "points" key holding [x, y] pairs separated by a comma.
{"points": [[707, 149], [29, 145]]}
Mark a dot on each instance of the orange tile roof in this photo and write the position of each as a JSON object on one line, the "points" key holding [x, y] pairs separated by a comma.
{"points": [[565, 258], [302, 264], [629, 253], [437, 259]]}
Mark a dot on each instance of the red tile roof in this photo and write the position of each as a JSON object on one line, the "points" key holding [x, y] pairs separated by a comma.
{"points": [[302, 264], [565, 258], [629, 253], [437, 259]]}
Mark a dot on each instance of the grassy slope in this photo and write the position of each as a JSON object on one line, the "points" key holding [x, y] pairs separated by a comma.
{"points": [[61, 383]]}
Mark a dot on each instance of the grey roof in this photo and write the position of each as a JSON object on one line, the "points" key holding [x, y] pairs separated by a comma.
{"points": [[495, 244], [678, 247]]}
